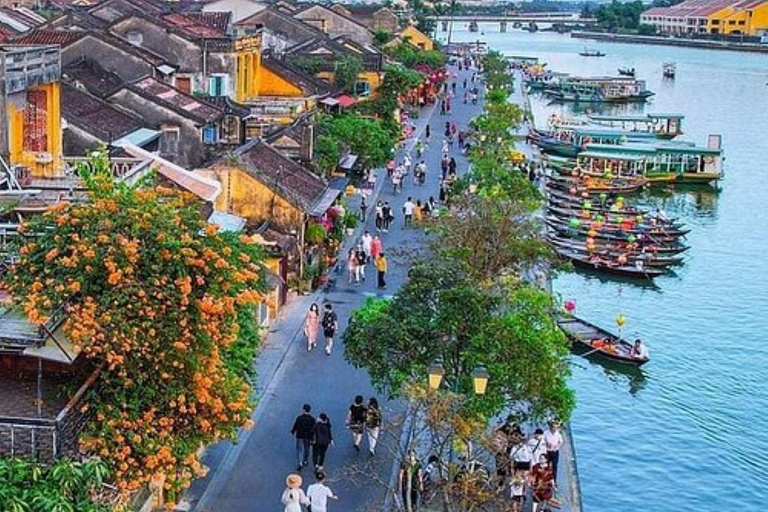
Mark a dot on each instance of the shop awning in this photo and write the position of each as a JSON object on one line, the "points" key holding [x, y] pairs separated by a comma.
{"points": [[347, 162], [335, 187], [227, 222], [346, 101], [331, 102]]}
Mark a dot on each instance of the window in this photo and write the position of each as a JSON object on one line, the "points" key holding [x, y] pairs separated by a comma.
{"points": [[210, 134], [169, 141], [715, 22], [362, 88], [184, 84], [217, 85], [134, 37], [741, 22]]}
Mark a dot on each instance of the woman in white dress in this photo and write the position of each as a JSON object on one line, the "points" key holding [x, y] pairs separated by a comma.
{"points": [[293, 497]]}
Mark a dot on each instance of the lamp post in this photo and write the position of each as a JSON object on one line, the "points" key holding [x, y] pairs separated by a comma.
{"points": [[450, 22], [479, 376]]}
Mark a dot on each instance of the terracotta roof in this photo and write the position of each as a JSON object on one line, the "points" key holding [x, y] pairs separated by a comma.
{"points": [[192, 27], [173, 99], [292, 181], [58, 37], [309, 85], [79, 19], [5, 34], [217, 20], [697, 8], [95, 116], [93, 77]]}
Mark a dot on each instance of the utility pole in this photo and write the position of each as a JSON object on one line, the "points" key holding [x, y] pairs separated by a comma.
{"points": [[450, 22]]}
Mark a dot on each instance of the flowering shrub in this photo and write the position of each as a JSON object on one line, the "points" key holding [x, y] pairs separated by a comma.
{"points": [[157, 297]]}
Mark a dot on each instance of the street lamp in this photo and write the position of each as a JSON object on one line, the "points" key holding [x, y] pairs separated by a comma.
{"points": [[436, 374], [480, 380]]}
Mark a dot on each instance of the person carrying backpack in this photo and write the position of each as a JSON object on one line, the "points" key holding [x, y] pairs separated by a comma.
{"points": [[330, 324]]}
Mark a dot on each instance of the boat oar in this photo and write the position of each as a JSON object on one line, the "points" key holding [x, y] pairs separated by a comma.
{"points": [[591, 352]]}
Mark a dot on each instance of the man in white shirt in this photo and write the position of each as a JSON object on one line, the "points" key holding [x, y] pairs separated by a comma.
{"points": [[367, 241], [318, 494], [537, 445], [554, 441], [408, 207]]}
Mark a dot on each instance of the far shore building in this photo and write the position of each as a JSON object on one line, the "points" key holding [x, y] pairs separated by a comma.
{"points": [[726, 17]]}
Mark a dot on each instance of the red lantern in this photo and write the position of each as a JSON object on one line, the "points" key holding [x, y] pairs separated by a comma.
{"points": [[570, 305]]}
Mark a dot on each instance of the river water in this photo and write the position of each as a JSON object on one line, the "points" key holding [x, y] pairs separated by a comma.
{"points": [[689, 431]]}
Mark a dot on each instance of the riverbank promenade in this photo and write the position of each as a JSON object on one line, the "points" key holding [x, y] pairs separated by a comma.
{"points": [[249, 476]]}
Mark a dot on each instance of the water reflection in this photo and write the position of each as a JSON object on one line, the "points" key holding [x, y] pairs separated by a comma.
{"points": [[634, 377]]}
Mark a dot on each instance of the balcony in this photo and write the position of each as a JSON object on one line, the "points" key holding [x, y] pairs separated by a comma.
{"points": [[124, 169]]}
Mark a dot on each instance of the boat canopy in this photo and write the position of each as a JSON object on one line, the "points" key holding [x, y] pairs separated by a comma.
{"points": [[611, 155], [641, 150], [599, 133], [636, 118]]}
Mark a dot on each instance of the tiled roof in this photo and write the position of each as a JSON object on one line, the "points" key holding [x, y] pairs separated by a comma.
{"points": [[95, 116], [181, 103], [700, 8], [283, 23], [229, 106], [77, 19], [192, 27], [217, 20], [309, 85], [57, 37], [93, 77], [292, 181]]}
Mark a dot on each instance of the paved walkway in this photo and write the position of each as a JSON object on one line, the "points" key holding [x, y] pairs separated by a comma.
{"points": [[249, 476]]}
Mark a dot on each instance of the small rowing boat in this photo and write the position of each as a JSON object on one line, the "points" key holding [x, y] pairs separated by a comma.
{"points": [[595, 262], [587, 336]]}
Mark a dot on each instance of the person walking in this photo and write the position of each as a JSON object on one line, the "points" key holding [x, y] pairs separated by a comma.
{"points": [[381, 269], [417, 212], [397, 179], [408, 213], [302, 429], [444, 165], [554, 440], [363, 209], [362, 258], [386, 212], [410, 482], [543, 484], [367, 241], [446, 146], [372, 424], [375, 248], [427, 132], [351, 266], [356, 421], [293, 497], [537, 445], [452, 166], [312, 326], [322, 438], [319, 494], [330, 324], [379, 220]]}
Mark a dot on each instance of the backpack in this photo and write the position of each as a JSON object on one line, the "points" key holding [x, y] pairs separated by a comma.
{"points": [[329, 319]]}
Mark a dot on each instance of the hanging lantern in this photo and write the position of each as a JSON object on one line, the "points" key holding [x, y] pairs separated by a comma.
{"points": [[620, 320], [572, 191], [574, 223], [570, 305], [592, 233], [585, 214], [622, 259]]}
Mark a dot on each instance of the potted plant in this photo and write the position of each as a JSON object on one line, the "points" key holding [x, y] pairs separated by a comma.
{"points": [[350, 223], [315, 234]]}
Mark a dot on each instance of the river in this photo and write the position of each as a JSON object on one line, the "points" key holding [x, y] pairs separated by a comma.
{"points": [[689, 431]]}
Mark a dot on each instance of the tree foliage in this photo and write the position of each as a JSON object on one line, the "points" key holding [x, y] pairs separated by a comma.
{"points": [[410, 56], [65, 486], [165, 303], [443, 314], [310, 64], [365, 137], [620, 15], [346, 71]]}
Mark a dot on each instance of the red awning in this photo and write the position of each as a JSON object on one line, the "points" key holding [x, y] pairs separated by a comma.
{"points": [[346, 101]]}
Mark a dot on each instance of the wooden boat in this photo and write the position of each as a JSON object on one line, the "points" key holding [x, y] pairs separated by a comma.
{"points": [[662, 126], [647, 218], [591, 53], [630, 226], [627, 72], [584, 334], [601, 90], [669, 70], [592, 183], [647, 258], [667, 250], [613, 235], [596, 263]]}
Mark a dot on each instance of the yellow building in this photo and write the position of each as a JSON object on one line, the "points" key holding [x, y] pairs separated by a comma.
{"points": [[748, 17], [417, 38], [30, 113]]}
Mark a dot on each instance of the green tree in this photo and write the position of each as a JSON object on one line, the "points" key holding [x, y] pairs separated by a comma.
{"points": [[443, 314], [310, 64], [346, 71], [382, 37], [327, 154], [365, 137], [65, 486]]}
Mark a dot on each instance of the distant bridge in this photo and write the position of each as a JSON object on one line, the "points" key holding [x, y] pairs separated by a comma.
{"points": [[563, 18]]}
